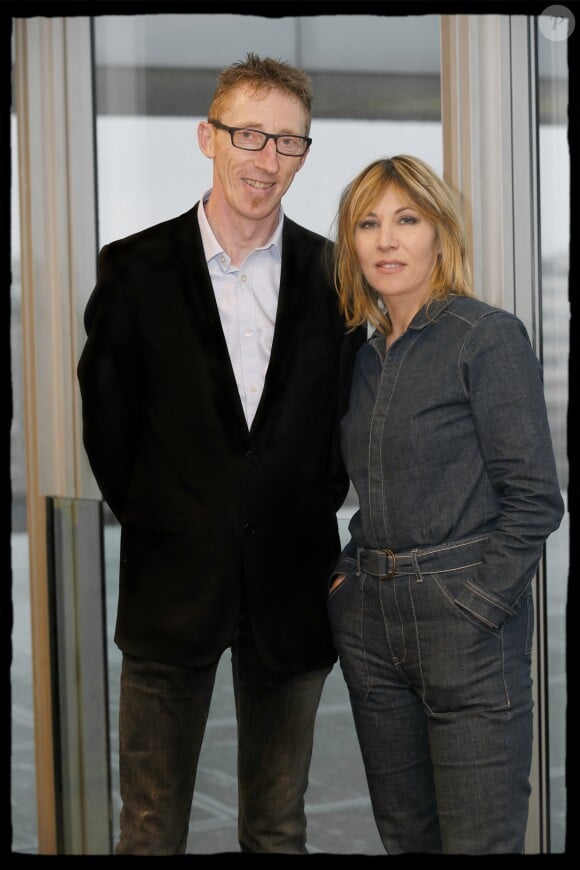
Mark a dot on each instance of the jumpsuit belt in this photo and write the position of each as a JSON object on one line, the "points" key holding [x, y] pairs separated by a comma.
{"points": [[451, 556]]}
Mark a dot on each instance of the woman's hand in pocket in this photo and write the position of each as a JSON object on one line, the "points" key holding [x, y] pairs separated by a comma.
{"points": [[336, 582]]}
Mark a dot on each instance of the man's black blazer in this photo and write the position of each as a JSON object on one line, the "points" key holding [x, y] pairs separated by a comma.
{"points": [[209, 510]]}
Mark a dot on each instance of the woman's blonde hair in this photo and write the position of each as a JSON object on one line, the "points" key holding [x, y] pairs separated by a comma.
{"points": [[361, 304]]}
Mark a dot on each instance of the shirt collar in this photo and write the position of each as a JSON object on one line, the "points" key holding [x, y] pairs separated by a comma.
{"points": [[426, 315], [211, 246], [431, 311]]}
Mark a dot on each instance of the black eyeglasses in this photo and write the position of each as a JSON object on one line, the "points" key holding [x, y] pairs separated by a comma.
{"points": [[255, 140]]}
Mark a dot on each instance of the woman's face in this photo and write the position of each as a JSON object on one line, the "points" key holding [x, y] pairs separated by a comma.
{"points": [[397, 248]]}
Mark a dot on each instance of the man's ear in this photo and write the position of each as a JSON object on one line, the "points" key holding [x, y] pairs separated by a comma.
{"points": [[205, 138]]}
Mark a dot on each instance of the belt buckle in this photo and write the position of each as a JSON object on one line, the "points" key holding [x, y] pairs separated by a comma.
{"points": [[390, 574]]}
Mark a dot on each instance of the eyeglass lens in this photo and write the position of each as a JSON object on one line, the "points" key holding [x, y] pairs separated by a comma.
{"points": [[254, 140]]}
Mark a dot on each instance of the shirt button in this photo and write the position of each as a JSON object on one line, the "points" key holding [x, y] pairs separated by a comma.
{"points": [[253, 389], [244, 277]]}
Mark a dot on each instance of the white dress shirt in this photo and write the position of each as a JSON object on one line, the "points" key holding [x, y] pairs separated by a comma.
{"points": [[247, 299]]}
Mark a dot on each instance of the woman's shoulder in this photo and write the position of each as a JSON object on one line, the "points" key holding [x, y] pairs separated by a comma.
{"points": [[474, 309], [488, 326]]}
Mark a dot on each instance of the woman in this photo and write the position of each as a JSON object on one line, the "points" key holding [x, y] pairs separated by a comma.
{"points": [[446, 441]]}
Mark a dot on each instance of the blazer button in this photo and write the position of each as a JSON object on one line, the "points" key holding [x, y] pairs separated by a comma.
{"points": [[251, 456], [249, 529]]}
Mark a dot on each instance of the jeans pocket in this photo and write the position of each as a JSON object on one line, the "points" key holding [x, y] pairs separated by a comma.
{"points": [[341, 585], [528, 604], [462, 658], [345, 609]]}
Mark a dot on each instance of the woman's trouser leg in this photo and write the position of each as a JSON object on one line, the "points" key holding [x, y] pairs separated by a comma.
{"points": [[390, 720], [443, 709], [481, 735]]}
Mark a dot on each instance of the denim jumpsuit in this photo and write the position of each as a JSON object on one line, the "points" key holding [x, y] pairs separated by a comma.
{"points": [[447, 444]]}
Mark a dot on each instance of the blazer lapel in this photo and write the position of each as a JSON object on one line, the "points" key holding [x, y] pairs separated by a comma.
{"points": [[292, 307], [206, 324]]}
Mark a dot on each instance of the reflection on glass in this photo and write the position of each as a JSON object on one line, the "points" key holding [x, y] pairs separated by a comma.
{"points": [[555, 241], [22, 757]]}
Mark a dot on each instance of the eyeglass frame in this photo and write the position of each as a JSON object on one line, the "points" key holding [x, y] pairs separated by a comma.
{"points": [[275, 136]]}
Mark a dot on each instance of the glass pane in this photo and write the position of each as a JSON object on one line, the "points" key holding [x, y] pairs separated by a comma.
{"points": [[149, 165], [555, 241], [23, 767], [155, 77]]}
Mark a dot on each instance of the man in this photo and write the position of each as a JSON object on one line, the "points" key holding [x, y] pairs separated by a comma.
{"points": [[215, 371]]}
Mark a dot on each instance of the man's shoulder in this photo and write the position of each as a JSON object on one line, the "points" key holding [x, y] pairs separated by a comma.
{"points": [[296, 232], [152, 237]]}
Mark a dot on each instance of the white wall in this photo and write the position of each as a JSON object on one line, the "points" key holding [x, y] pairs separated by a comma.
{"points": [[151, 168]]}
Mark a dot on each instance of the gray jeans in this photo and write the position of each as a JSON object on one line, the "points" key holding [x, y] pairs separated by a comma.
{"points": [[442, 703], [163, 713]]}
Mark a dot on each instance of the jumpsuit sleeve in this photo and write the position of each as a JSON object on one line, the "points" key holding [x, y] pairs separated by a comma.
{"points": [[503, 379]]}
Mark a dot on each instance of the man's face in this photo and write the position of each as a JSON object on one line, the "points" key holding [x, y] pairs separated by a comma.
{"points": [[251, 184]]}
